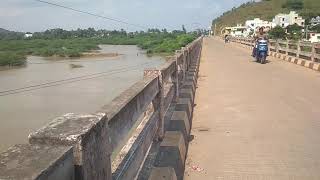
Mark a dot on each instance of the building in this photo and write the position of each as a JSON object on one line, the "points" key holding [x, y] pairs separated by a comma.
{"points": [[236, 31], [314, 37], [255, 24], [285, 20], [315, 21], [28, 35]]}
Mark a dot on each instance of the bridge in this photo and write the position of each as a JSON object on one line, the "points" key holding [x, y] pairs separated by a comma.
{"points": [[210, 112], [254, 121]]}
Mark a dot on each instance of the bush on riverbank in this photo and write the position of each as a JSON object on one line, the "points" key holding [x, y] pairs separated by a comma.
{"points": [[14, 52], [12, 59]]}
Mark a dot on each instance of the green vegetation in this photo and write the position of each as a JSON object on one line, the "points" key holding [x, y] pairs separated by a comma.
{"points": [[277, 33], [294, 32], [11, 59], [293, 4], [62, 43], [10, 35], [266, 10], [315, 28]]}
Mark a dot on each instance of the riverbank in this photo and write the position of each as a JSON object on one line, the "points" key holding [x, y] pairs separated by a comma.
{"points": [[14, 52], [83, 56]]}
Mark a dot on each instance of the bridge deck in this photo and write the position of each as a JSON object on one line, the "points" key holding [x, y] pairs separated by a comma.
{"points": [[254, 121]]}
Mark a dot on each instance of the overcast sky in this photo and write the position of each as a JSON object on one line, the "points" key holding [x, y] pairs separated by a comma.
{"points": [[29, 15]]}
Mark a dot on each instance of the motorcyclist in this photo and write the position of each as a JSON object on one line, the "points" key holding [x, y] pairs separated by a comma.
{"points": [[261, 35], [226, 38]]}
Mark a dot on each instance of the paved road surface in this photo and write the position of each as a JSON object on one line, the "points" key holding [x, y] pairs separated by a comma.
{"points": [[254, 121]]}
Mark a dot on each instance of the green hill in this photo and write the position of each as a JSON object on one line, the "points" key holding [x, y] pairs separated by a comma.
{"points": [[6, 34], [266, 10]]}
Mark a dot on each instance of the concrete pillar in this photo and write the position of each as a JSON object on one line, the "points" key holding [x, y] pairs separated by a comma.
{"points": [[175, 79], [313, 52], [89, 136], [172, 153], [184, 64], [164, 173], [158, 102], [298, 49], [287, 47]]}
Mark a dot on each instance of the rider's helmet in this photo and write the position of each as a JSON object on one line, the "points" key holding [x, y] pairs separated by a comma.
{"points": [[261, 30]]}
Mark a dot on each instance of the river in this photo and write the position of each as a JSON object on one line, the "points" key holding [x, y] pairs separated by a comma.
{"points": [[34, 95]]}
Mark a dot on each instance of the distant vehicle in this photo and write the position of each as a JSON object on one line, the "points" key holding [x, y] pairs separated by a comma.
{"points": [[226, 39], [261, 51]]}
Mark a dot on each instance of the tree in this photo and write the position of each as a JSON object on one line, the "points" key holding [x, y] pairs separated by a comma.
{"points": [[184, 29], [315, 28], [277, 33], [294, 28], [294, 32]]}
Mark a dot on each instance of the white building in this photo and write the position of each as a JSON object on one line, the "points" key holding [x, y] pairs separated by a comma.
{"points": [[315, 21], [28, 35], [255, 24], [285, 20], [314, 37], [236, 31]]}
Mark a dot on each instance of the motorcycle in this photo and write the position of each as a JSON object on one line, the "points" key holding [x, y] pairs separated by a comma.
{"points": [[226, 40], [261, 51]]}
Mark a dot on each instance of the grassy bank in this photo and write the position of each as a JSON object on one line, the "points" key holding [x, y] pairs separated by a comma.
{"points": [[14, 52], [12, 59]]}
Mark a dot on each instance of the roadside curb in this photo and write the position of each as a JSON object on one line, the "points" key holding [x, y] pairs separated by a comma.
{"points": [[298, 61]]}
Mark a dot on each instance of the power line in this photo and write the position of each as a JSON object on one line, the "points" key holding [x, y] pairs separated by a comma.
{"points": [[71, 80], [92, 14]]}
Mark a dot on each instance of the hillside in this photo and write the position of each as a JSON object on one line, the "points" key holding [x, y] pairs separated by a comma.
{"points": [[2, 31], [6, 34], [265, 10]]}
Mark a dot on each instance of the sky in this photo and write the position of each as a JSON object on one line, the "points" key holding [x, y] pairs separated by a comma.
{"points": [[30, 15]]}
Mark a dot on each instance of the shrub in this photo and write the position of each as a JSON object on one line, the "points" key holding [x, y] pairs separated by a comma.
{"points": [[277, 33], [12, 59]]}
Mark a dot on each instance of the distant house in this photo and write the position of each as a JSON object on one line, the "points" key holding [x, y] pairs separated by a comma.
{"points": [[315, 21], [255, 24], [235, 31], [28, 35], [285, 20], [314, 37]]}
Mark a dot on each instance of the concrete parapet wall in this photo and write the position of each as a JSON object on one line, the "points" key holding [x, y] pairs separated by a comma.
{"points": [[89, 136], [113, 142], [172, 152], [38, 162]]}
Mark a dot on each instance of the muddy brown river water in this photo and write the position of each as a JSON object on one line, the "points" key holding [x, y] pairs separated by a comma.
{"points": [[34, 95]]}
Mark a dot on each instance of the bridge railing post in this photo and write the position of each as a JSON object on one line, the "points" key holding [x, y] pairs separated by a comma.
{"points": [[313, 52], [298, 49], [287, 47], [277, 45], [89, 135], [158, 101]]}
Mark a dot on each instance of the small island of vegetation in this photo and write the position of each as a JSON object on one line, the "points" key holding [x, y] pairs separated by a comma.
{"points": [[14, 47]]}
